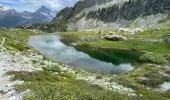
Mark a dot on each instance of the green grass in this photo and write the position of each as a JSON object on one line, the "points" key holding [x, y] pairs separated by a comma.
{"points": [[157, 59], [52, 83], [52, 69], [18, 34], [133, 44], [144, 76], [153, 34], [91, 32], [17, 38], [78, 33], [47, 85], [164, 20]]}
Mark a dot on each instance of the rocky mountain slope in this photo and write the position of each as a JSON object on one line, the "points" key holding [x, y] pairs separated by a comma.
{"points": [[97, 14], [11, 18], [41, 15]]}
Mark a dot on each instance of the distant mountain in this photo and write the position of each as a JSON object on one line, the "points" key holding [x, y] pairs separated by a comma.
{"points": [[6, 10], [42, 15], [46, 12], [109, 14], [11, 18]]}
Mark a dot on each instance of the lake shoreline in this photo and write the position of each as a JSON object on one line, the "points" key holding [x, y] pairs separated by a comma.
{"points": [[125, 83]]}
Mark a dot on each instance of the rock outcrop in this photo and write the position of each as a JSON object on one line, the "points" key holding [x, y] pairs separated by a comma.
{"points": [[109, 14], [115, 37]]}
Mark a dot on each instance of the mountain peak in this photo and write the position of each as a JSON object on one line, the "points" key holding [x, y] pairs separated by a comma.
{"points": [[43, 14], [44, 9], [2, 8], [6, 10]]}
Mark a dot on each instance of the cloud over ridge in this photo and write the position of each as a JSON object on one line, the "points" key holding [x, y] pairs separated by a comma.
{"points": [[32, 5]]}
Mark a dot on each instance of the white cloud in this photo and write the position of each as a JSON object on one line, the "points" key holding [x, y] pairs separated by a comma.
{"points": [[32, 5]]}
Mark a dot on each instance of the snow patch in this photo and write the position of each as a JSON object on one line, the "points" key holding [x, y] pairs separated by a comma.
{"points": [[5, 8]]}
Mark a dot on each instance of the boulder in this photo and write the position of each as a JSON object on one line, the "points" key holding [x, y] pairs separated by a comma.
{"points": [[115, 37], [73, 44], [2, 92]]}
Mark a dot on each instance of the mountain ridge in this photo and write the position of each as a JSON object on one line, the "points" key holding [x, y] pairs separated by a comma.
{"points": [[97, 14], [11, 18]]}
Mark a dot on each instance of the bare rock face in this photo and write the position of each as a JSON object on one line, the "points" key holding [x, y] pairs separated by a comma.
{"points": [[115, 37]]}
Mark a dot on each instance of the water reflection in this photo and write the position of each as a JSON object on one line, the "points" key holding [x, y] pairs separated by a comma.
{"points": [[52, 47]]}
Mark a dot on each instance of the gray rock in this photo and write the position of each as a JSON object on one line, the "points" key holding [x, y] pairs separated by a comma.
{"points": [[3, 92], [115, 37]]}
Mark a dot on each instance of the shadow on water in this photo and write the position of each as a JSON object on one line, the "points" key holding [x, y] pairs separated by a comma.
{"points": [[115, 56]]}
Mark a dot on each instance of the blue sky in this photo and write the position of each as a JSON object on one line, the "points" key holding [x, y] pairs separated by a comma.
{"points": [[32, 5]]}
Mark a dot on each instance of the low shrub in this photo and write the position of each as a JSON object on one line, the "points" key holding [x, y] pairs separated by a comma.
{"points": [[33, 76], [153, 58], [53, 69]]}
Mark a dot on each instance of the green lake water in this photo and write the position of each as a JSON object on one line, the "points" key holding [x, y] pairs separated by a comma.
{"points": [[95, 60]]}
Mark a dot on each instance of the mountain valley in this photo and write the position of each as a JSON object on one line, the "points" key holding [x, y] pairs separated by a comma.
{"points": [[94, 50]]}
